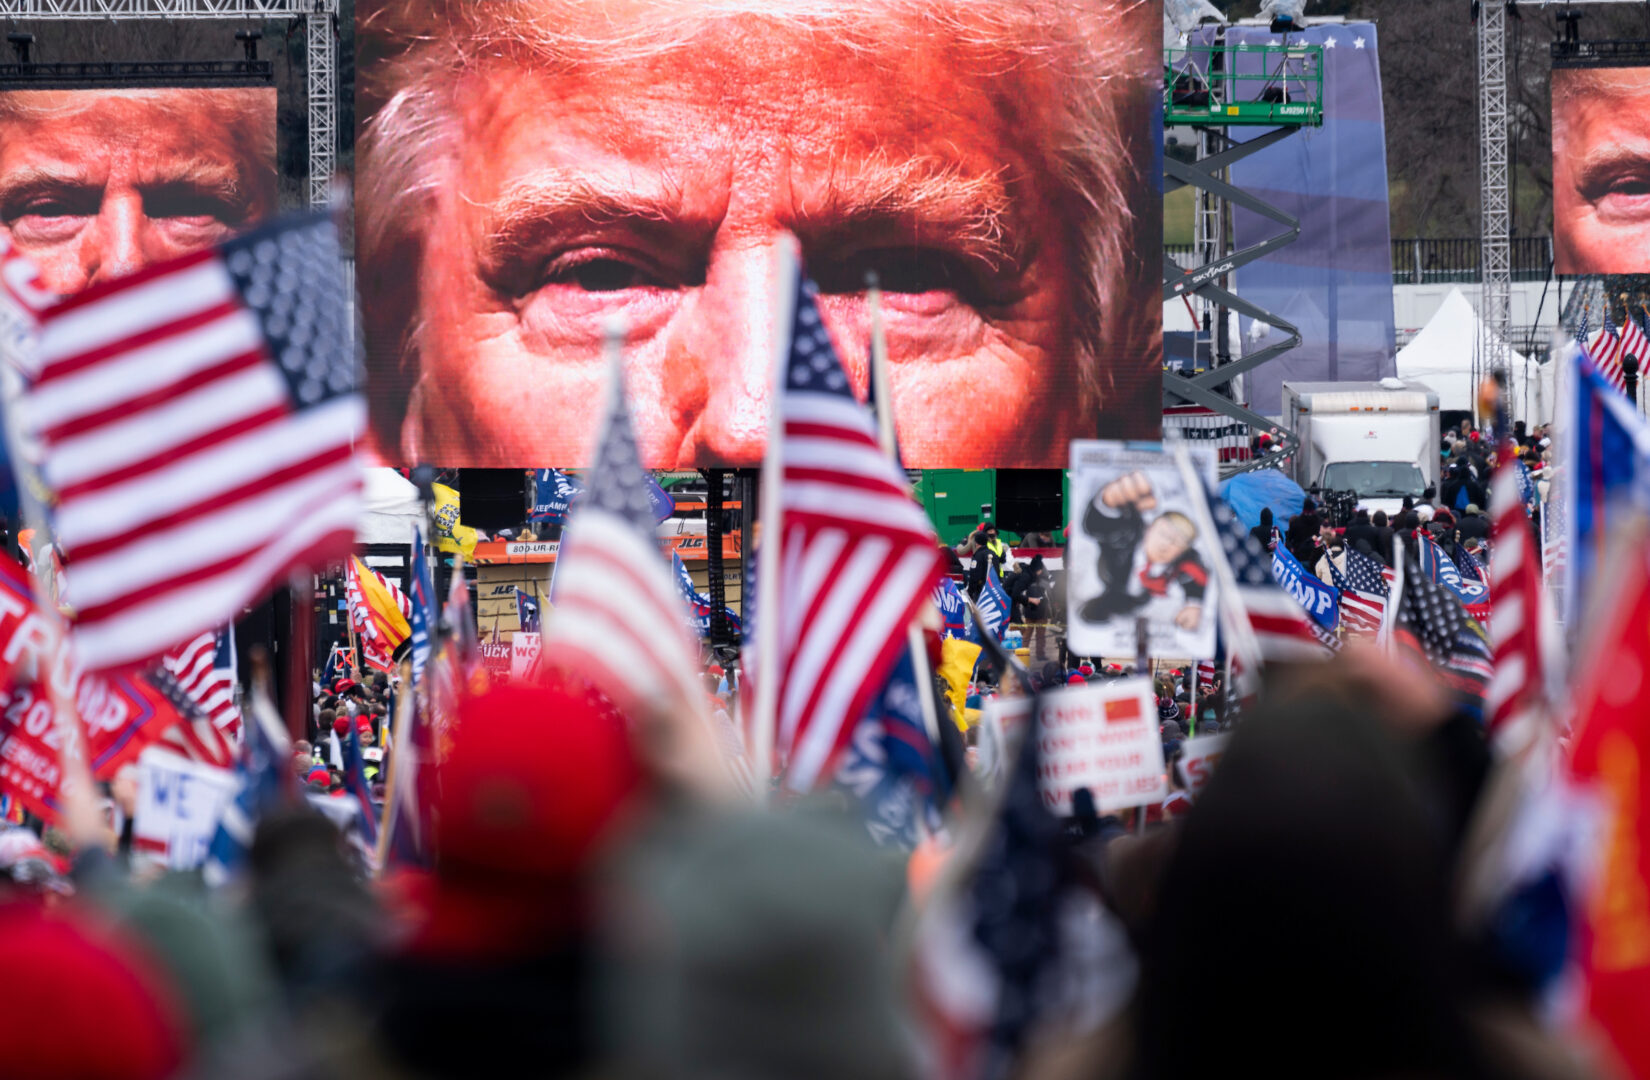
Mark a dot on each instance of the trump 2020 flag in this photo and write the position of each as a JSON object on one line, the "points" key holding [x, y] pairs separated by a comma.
{"points": [[993, 601], [197, 421], [553, 492]]}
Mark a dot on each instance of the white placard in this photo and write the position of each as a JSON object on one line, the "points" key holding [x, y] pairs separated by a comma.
{"points": [[1102, 736], [524, 653], [178, 806], [1134, 552], [1198, 758]]}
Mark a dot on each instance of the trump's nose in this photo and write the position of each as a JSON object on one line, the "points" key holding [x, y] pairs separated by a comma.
{"points": [[728, 339], [112, 243]]}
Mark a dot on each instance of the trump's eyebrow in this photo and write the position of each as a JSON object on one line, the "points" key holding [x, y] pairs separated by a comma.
{"points": [[918, 201], [1604, 163], [914, 201], [537, 208], [31, 180]]}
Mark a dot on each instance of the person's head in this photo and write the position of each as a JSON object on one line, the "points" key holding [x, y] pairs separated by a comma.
{"points": [[327, 717], [528, 170], [990, 533], [1361, 515], [1472, 509], [1168, 537], [1379, 519], [537, 780], [1266, 517], [97, 184], [1600, 224]]}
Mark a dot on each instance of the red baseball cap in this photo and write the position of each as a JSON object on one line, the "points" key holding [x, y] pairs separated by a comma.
{"points": [[340, 726], [537, 780]]}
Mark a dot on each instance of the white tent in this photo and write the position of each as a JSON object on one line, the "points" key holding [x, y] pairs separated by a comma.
{"points": [[392, 509], [1441, 356]]}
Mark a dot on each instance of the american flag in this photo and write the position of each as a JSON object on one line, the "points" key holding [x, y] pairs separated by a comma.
{"points": [[618, 620], [204, 667], [1365, 586], [1432, 621], [1282, 628], [1515, 607], [1609, 346], [858, 556], [197, 420]]}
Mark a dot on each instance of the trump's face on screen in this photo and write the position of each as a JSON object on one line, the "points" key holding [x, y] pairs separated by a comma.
{"points": [[528, 172], [95, 184], [1601, 171]]}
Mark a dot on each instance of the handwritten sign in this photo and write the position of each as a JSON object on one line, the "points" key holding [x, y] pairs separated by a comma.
{"points": [[1102, 736], [179, 803]]}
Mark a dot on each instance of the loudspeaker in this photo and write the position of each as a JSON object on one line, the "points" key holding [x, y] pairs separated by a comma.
{"points": [[1028, 500], [492, 499]]}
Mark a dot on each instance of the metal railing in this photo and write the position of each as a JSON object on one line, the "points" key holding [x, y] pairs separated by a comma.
{"points": [[1417, 261]]}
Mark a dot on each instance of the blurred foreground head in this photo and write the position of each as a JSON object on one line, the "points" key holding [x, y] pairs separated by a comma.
{"points": [[1330, 951]]}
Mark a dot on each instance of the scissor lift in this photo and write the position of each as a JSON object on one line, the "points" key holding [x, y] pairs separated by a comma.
{"points": [[1214, 87]]}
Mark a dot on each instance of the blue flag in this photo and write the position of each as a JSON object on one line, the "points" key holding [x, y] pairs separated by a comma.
{"points": [[953, 611], [1321, 601], [993, 600], [663, 505], [553, 493], [699, 605], [422, 621], [1441, 568], [264, 779], [527, 612], [360, 792], [892, 767]]}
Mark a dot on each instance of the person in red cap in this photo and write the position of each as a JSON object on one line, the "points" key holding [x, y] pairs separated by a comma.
{"points": [[497, 950]]}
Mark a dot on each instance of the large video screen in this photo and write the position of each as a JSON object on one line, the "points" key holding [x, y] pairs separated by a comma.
{"points": [[527, 172], [98, 183], [1601, 170]]}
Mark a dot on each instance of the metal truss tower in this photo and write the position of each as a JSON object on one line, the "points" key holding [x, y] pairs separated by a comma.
{"points": [[320, 18], [1495, 218]]}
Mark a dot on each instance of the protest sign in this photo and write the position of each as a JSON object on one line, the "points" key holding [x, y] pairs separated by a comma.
{"points": [[179, 803], [496, 659], [1320, 601], [1101, 736], [524, 656], [1135, 553], [1198, 758]]}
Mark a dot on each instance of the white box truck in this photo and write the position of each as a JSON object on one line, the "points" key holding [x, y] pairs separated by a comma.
{"points": [[1377, 439]]}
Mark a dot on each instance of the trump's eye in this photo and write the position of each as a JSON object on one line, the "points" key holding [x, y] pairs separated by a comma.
{"points": [[1620, 192], [189, 206], [914, 278], [598, 271], [46, 218]]}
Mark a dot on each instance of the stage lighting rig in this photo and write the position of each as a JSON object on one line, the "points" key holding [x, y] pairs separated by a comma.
{"points": [[249, 41], [20, 45]]}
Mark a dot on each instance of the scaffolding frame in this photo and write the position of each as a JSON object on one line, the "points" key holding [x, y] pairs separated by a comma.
{"points": [[320, 42], [1209, 282]]}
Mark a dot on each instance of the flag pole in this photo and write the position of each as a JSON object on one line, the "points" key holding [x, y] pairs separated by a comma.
{"points": [[882, 394], [398, 729], [765, 717], [1241, 632]]}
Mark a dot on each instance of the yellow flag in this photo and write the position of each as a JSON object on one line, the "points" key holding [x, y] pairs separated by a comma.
{"points": [[450, 535], [957, 659]]}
